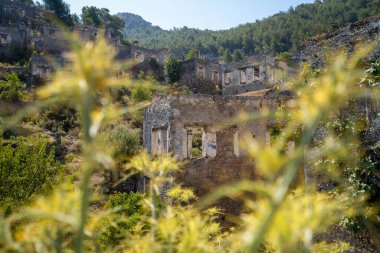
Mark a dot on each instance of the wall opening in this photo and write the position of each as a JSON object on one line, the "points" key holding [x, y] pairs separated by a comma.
{"points": [[200, 143], [138, 54], [256, 73], [227, 78], [201, 72], [160, 141], [243, 76], [215, 76], [51, 33]]}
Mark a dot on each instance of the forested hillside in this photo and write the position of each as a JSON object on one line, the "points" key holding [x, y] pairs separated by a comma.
{"points": [[285, 31]]}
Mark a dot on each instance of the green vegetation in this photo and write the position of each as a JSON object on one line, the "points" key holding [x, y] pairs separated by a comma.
{"points": [[118, 226], [17, 54], [279, 33], [279, 215], [191, 54], [11, 88], [27, 169], [172, 69], [102, 18], [122, 141], [60, 10], [57, 119]]}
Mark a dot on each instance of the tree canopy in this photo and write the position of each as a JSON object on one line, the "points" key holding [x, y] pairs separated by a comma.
{"points": [[285, 31], [102, 18], [61, 10]]}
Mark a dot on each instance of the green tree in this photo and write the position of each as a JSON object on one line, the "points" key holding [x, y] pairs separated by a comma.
{"points": [[26, 169], [227, 56], [10, 90], [237, 56], [102, 18], [61, 10], [192, 54], [172, 69]]}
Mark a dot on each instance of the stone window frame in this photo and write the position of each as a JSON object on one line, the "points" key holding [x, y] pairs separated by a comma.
{"points": [[52, 33], [4, 39], [162, 148], [215, 73], [241, 71], [256, 73], [138, 54], [227, 77], [201, 72], [207, 135]]}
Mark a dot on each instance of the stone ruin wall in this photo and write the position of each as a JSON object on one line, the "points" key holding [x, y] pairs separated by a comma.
{"points": [[201, 76], [168, 129]]}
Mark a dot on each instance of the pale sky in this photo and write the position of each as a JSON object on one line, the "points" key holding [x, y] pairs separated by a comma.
{"points": [[202, 14]]}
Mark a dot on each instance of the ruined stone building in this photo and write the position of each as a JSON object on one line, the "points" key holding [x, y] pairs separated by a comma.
{"points": [[28, 28], [196, 129], [251, 74]]}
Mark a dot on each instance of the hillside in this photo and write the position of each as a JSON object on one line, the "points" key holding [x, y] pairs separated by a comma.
{"points": [[285, 31]]}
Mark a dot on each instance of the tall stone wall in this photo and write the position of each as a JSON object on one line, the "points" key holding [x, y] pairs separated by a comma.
{"points": [[169, 125]]}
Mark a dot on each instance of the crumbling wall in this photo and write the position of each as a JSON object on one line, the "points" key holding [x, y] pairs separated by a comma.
{"points": [[201, 76], [221, 160], [254, 74]]}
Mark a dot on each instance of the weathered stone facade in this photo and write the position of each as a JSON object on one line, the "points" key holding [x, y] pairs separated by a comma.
{"points": [[201, 76], [252, 74], [172, 123]]}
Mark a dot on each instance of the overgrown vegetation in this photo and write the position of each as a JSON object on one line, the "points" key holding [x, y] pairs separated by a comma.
{"points": [[277, 217], [27, 169], [11, 88], [172, 69], [279, 33]]}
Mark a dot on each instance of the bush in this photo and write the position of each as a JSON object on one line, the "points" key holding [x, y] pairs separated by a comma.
{"points": [[58, 118], [172, 69], [26, 169], [10, 91], [141, 93], [123, 140], [18, 54], [116, 227]]}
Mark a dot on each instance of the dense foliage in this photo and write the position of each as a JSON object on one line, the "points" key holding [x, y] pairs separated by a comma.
{"points": [[10, 89], [61, 10], [118, 226], [279, 33], [172, 69], [26, 169], [102, 18]]}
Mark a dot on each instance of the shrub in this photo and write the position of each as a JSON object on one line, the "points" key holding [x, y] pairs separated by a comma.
{"points": [[116, 227], [58, 118], [141, 93], [26, 169], [10, 91], [123, 140], [172, 69]]}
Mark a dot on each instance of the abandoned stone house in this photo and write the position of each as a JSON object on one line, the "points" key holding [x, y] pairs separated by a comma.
{"points": [[196, 129], [252, 74], [201, 76]]}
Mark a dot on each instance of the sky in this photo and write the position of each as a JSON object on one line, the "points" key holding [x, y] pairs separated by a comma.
{"points": [[202, 14]]}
